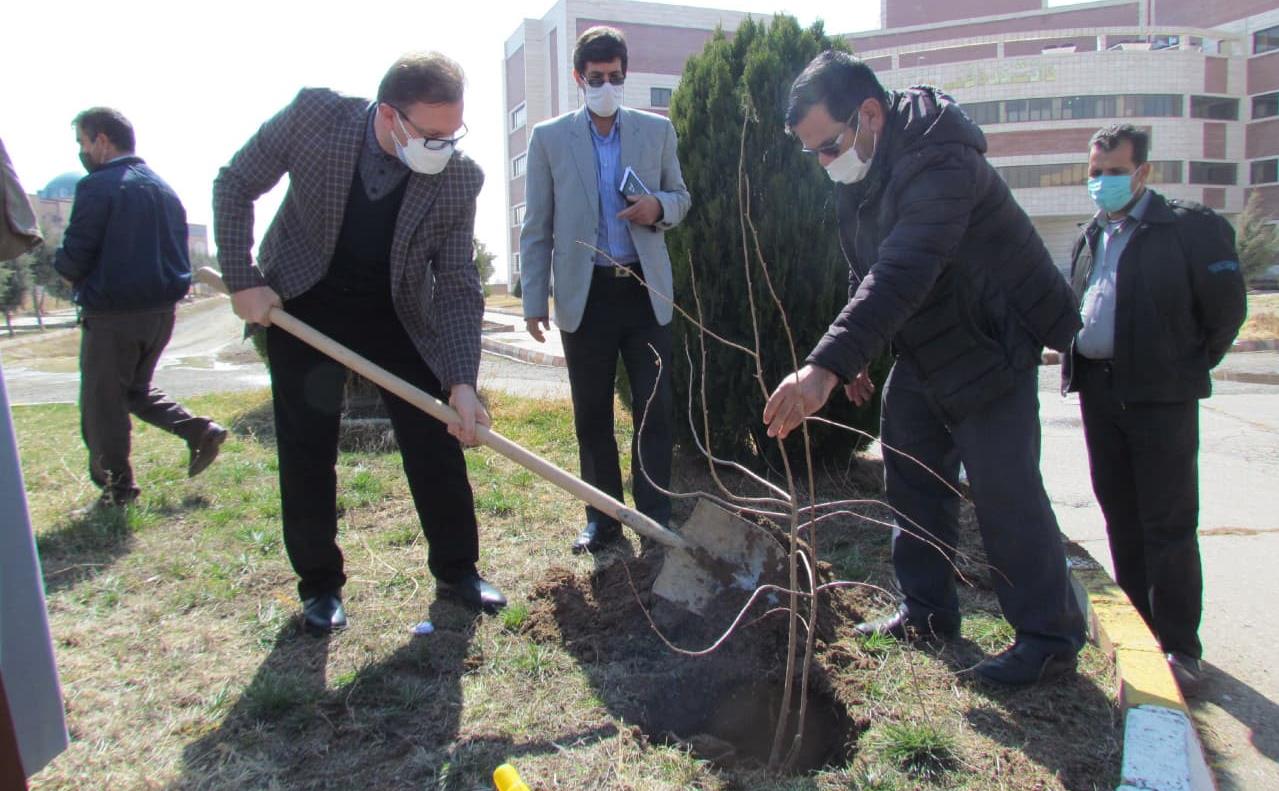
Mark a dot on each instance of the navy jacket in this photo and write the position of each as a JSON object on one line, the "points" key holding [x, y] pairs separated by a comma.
{"points": [[125, 247], [943, 263], [1180, 301]]}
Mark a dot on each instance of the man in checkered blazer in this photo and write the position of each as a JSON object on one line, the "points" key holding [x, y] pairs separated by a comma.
{"points": [[372, 246]]}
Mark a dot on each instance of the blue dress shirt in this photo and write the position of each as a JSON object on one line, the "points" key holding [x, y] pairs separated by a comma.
{"points": [[614, 235]]}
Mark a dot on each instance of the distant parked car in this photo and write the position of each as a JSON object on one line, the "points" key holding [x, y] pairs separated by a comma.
{"points": [[1268, 280]]}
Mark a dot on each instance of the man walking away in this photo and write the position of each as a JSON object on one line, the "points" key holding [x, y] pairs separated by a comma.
{"points": [[125, 253]]}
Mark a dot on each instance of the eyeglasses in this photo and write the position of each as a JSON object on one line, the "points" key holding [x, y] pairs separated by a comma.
{"points": [[428, 142], [597, 80], [830, 148]]}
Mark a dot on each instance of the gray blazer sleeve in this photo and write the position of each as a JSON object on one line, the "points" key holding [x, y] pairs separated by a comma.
{"points": [[537, 234], [673, 195]]}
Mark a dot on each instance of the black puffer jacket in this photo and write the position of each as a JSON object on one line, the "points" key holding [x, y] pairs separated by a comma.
{"points": [[943, 263], [1180, 301]]}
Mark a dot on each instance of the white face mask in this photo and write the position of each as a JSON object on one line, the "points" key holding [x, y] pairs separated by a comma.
{"points": [[848, 167], [604, 100], [417, 156]]}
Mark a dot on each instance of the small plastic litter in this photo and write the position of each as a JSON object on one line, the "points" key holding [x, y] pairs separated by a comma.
{"points": [[425, 627]]}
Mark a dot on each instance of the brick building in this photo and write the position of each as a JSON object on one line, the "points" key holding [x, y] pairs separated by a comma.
{"points": [[1201, 75]]}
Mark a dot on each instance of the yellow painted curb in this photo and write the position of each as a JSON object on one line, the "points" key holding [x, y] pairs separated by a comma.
{"points": [[1143, 674]]}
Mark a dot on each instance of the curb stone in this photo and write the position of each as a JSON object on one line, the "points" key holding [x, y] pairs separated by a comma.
{"points": [[524, 355], [1162, 751]]}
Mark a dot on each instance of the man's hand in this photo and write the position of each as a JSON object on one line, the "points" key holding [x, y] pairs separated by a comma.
{"points": [[468, 407], [644, 210], [860, 390], [254, 304], [798, 396], [532, 325]]}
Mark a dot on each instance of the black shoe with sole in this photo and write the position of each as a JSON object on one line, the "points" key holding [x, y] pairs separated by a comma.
{"points": [[595, 537], [323, 614], [1022, 664], [473, 591], [205, 449], [1186, 670]]}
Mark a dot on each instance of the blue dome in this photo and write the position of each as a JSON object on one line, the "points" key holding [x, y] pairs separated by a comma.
{"points": [[61, 187]]}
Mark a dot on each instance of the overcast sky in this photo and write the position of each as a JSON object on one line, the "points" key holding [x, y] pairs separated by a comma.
{"points": [[197, 83]]}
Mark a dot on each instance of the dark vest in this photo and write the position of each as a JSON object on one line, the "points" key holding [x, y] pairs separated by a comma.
{"points": [[360, 270]]}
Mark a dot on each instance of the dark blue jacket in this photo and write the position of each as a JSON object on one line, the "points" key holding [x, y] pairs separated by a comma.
{"points": [[125, 248], [943, 263]]}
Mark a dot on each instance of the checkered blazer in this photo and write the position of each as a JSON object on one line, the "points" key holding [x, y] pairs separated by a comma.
{"points": [[316, 140]]}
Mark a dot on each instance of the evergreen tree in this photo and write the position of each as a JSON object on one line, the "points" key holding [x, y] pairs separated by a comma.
{"points": [[15, 281], [791, 203], [1257, 242]]}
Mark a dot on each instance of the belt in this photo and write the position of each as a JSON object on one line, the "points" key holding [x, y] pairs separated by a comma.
{"points": [[612, 271]]}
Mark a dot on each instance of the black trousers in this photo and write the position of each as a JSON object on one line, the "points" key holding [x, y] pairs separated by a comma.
{"points": [[118, 355], [999, 447], [619, 320], [1145, 473], [307, 389]]}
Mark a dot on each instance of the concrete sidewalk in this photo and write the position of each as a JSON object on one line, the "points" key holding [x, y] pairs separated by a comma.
{"points": [[506, 335], [1235, 710]]}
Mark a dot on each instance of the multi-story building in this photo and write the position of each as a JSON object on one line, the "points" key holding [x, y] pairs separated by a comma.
{"points": [[1202, 76]]}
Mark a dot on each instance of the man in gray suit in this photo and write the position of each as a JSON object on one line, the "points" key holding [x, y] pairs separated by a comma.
{"points": [[373, 247], [606, 254]]}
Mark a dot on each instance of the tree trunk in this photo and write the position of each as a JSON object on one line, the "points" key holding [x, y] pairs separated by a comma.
{"points": [[8, 323]]}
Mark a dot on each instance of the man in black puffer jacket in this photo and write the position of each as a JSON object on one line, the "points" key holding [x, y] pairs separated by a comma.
{"points": [[947, 268], [125, 253]]}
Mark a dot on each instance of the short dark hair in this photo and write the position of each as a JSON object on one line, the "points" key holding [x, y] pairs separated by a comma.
{"points": [[836, 79], [109, 122], [426, 77], [1109, 138], [600, 44]]}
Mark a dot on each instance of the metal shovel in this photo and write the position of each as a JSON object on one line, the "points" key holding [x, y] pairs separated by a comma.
{"points": [[715, 551]]}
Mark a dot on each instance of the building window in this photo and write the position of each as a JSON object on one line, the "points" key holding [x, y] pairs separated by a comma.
{"points": [[1265, 105], [982, 112], [515, 263], [659, 97], [518, 165], [1074, 174], [1265, 171], [1265, 40], [1223, 173], [517, 215], [1166, 172], [519, 116], [1066, 108], [1218, 108]]}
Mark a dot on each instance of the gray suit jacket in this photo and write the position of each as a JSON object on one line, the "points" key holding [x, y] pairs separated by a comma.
{"points": [[316, 140], [563, 206]]}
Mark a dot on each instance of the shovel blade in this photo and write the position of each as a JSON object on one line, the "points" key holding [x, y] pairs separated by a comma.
{"points": [[728, 558]]}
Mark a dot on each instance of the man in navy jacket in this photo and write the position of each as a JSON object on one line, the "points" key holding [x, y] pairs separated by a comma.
{"points": [[125, 253]]}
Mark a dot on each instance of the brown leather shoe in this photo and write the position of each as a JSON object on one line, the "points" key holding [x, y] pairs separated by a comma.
{"points": [[205, 449]]}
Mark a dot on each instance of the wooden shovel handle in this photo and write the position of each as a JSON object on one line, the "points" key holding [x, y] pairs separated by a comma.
{"points": [[443, 412]]}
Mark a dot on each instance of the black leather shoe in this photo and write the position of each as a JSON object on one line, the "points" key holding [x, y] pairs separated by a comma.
{"points": [[1021, 665], [901, 626], [472, 590], [1186, 670], [205, 449], [323, 614], [595, 537]]}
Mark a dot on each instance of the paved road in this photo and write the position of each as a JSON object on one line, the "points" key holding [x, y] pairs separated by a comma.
{"points": [[207, 354], [1239, 537]]}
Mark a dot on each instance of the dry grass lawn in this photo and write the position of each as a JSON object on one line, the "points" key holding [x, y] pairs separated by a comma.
{"points": [[183, 666]]}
